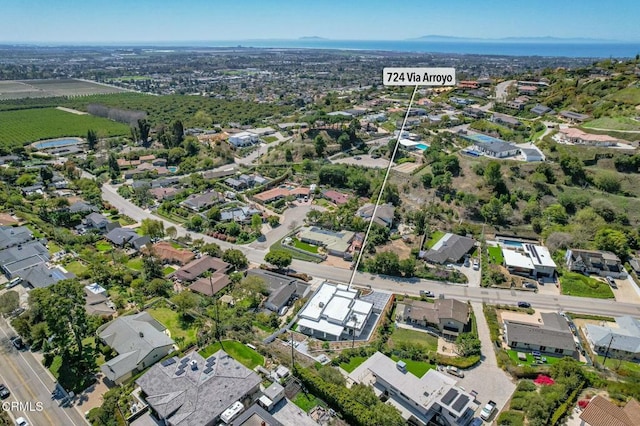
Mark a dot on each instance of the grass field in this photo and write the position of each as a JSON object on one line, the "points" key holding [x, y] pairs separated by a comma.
{"points": [[306, 401], [168, 270], [294, 253], [179, 327], [530, 359], [417, 368], [435, 236], [269, 139], [629, 95], [135, 264], [14, 89], [304, 246], [574, 284], [75, 267], [30, 125], [353, 363], [613, 123], [238, 351], [495, 255], [103, 246], [402, 336], [53, 247], [617, 364]]}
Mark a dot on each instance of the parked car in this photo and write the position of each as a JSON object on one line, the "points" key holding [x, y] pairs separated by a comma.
{"points": [[426, 293], [466, 262], [524, 305], [21, 421], [357, 158], [4, 392], [611, 282], [450, 266], [488, 410], [476, 265], [17, 342], [477, 421], [454, 371]]}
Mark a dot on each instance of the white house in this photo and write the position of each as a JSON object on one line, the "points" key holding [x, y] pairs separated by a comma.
{"points": [[243, 139]]}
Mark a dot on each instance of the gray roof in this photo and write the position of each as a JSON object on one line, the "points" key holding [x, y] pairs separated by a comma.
{"points": [[625, 338], [450, 248], [255, 416], [196, 396], [121, 236], [552, 333], [96, 219], [275, 281], [12, 236], [384, 214], [19, 265], [496, 147], [201, 201], [23, 251], [39, 276], [81, 207], [133, 337], [540, 109]]}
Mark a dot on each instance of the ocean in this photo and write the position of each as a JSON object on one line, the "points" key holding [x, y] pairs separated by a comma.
{"points": [[572, 50]]}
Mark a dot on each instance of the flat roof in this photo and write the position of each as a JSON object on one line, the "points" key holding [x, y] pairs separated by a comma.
{"points": [[539, 255], [337, 308], [322, 326], [516, 259], [317, 303]]}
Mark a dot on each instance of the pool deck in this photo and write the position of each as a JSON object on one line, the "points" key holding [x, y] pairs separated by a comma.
{"points": [[57, 143]]}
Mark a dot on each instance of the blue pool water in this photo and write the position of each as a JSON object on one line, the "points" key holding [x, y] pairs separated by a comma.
{"points": [[511, 243], [422, 147], [172, 169], [56, 143]]}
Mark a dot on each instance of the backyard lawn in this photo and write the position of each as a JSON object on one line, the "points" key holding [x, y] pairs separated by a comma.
{"points": [[574, 284], [237, 350], [168, 270], [306, 401], [75, 267], [435, 237], [103, 246], [495, 255], [417, 368], [530, 359], [135, 264], [402, 336], [53, 247], [353, 363], [179, 327], [304, 246], [616, 364]]}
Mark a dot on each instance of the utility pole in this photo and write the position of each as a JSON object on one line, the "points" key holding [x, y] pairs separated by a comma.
{"points": [[606, 355], [293, 362]]}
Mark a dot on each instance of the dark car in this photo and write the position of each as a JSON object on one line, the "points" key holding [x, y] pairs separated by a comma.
{"points": [[17, 342], [524, 305], [477, 421], [4, 392]]}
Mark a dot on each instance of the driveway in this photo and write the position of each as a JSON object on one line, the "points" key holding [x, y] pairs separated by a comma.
{"points": [[627, 291], [365, 161], [487, 378], [292, 218]]}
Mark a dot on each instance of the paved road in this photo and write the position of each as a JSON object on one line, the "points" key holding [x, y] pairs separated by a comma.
{"points": [[501, 90], [30, 385], [412, 286]]}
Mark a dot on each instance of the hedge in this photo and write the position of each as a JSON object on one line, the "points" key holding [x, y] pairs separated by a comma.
{"points": [[460, 362], [565, 406]]}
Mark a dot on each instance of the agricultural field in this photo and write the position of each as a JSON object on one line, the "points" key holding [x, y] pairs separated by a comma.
{"points": [[30, 125], [18, 89]]}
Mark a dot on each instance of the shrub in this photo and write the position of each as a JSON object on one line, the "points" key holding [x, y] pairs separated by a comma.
{"points": [[511, 418], [526, 386]]}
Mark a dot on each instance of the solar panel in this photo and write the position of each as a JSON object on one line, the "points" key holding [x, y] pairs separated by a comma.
{"points": [[179, 371], [168, 362], [208, 370], [449, 396], [184, 360], [460, 403]]}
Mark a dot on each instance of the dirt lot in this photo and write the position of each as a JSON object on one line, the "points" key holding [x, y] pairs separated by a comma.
{"points": [[337, 262], [397, 246]]}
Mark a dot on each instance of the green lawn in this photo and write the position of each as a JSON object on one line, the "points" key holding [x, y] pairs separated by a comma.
{"points": [[178, 326], [53, 247], [103, 246], [574, 284], [75, 267], [530, 359], [495, 255], [435, 236], [269, 139], [417, 368], [306, 401], [353, 363], [402, 336], [238, 351], [175, 245], [294, 253], [613, 123], [135, 264], [168, 270], [35, 231], [615, 364], [304, 246]]}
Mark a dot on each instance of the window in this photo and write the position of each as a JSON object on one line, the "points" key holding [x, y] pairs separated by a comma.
{"points": [[514, 344], [543, 348], [558, 351]]}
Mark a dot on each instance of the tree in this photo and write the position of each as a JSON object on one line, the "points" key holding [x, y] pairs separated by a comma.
{"points": [[273, 221], [9, 302], [151, 266], [408, 267], [177, 133], [386, 263], [607, 182], [46, 174], [467, 345], [157, 287], [212, 249], [185, 301], [279, 258], [331, 375], [202, 119], [92, 139], [144, 128], [288, 156], [152, 228], [320, 144], [493, 174], [493, 211], [114, 167], [612, 240], [171, 232], [256, 223], [236, 258], [556, 214], [573, 167], [345, 141]]}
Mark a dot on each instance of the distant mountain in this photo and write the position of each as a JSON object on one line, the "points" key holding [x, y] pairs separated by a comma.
{"points": [[544, 39], [312, 38]]}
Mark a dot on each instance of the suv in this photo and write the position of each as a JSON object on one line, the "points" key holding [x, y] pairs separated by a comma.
{"points": [[426, 293], [524, 305], [4, 392], [455, 371], [476, 265], [17, 342], [611, 282]]}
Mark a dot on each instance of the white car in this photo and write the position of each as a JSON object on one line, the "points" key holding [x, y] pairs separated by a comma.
{"points": [[476, 265], [21, 421]]}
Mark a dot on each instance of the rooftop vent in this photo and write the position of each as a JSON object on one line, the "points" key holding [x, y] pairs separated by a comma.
{"points": [[141, 334], [321, 304], [194, 364]]}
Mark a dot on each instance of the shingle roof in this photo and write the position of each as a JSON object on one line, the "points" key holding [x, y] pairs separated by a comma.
{"points": [[450, 248], [12, 236], [552, 335], [602, 412], [197, 267], [211, 285], [384, 213]]}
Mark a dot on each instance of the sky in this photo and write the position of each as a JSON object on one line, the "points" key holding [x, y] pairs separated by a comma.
{"points": [[107, 21]]}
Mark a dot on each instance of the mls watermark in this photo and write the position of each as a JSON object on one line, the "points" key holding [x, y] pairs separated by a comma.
{"points": [[23, 406], [419, 76]]}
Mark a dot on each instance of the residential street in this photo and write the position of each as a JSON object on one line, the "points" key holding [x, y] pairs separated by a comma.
{"points": [[31, 385]]}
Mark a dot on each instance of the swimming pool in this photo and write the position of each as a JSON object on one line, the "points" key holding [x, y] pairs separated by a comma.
{"points": [[56, 143], [422, 147], [511, 243], [172, 169]]}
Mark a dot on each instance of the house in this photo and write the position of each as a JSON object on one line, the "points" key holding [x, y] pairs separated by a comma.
{"points": [[621, 342], [98, 222], [254, 416], [127, 236], [552, 336], [531, 155], [335, 313], [23, 256], [384, 213], [577, 136], [41, 276], [193, 390], [476, 113], [574, 117], [451, 248], [527, 90], [262, 131], [239, 214], [97, 301], [468, 84], [506, 120], [159, 162], [140, 342], [603, 263], [146, 168], [199, 202], [602, 412], [271, 396], [335, 197], [282, 288], [432, 399], [162, 194], [243, 139], [197, 267], [541, 110], [336, 243], [449, 316], [33, 189], [529, 260], [497, 149], [169, 254], [210, 285], [280, 192], [147, 158], [235, 183], [11, 236], [82, 207]]}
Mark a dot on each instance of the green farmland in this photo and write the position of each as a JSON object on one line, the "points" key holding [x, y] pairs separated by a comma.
{"points": [[30, 125]]}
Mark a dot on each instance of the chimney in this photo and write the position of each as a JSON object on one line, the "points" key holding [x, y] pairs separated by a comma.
{"points": [[141, 334]]}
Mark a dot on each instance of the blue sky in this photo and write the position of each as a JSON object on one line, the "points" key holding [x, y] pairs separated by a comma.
{"points": [[86, 21]]}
